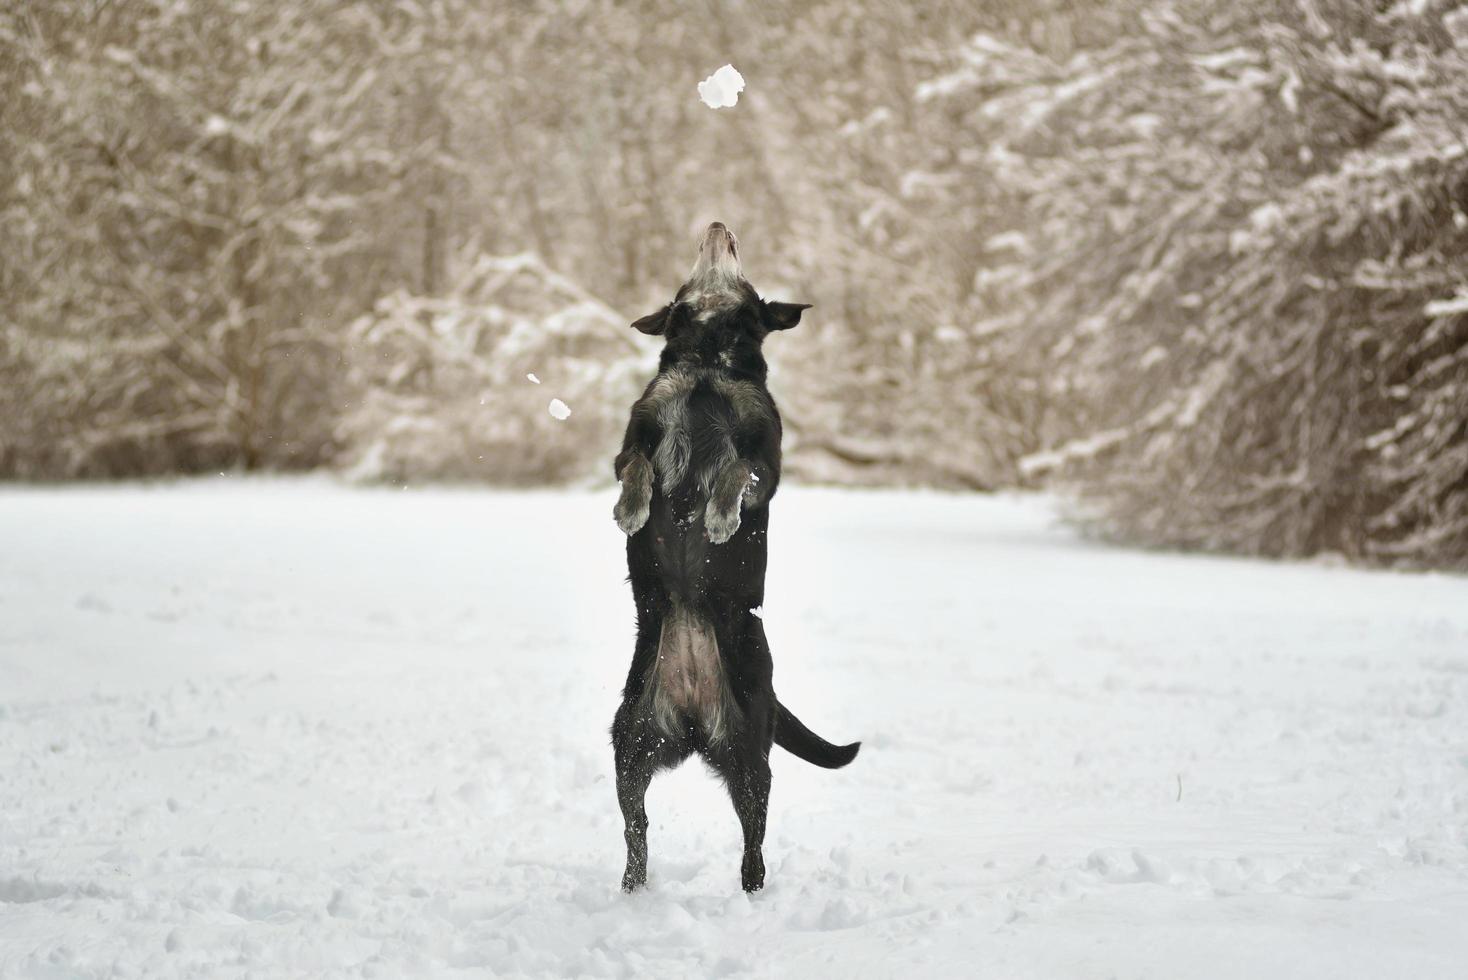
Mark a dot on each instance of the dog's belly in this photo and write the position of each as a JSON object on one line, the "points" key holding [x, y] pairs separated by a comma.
{"points": [[687, 679]]}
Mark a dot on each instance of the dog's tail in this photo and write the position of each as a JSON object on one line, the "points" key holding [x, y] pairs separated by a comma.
{"points": [[803, 743]]}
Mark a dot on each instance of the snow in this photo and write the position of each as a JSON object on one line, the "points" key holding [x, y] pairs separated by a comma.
{"points": [[721, 89], [532, 379], [287, 727], [1050, 459], [559, 410], [1453, 306]]}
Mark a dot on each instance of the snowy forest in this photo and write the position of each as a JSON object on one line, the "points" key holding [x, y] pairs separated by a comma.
{"points": [[1198, 265]]}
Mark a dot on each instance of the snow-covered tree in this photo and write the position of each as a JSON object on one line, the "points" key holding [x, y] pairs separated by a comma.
{"points": [[1236, 265], [1198, 261], [199, 198]]}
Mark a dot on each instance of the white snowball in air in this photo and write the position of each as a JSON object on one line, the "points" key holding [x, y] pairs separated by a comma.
{"points": [[559, 410], [532, 379], [721, 89]]}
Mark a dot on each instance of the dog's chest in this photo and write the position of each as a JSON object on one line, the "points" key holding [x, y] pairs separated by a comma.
{"points": [[698, 414]]}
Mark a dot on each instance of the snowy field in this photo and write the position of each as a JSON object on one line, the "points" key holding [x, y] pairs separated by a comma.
{"points": [[290, 728]]}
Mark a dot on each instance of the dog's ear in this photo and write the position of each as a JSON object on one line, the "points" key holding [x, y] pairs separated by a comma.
{"points": [[783, 316], [654, 323]]}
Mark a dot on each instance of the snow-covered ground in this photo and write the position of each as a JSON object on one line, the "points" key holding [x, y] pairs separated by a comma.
{"points": [[285, 728]]}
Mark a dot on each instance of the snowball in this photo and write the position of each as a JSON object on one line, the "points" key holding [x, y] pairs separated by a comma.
{"points": [[559, 410], [532, 379], [721, 89]]}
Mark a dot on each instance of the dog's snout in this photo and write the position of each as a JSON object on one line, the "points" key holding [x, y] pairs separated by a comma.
{"points": [[718, 256], [717, 234]]}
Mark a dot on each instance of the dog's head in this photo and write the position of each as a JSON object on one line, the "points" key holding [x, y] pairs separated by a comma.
{"points": [[717, 318]]}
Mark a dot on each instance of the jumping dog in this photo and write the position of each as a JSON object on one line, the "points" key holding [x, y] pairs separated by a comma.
{"points": [[699, 464]]}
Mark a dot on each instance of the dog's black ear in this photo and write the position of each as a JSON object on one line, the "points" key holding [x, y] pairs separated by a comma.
{"points": [[783, 316], [654, 323]]}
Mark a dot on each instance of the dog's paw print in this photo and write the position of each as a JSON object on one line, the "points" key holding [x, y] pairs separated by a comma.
{"points": [[720, 523]]}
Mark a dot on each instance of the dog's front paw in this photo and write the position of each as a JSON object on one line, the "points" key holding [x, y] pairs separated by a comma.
{"points": [[631, 511], [721, 517], [636, 501], [721, 521]]}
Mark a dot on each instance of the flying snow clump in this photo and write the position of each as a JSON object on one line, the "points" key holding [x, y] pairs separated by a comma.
{"points": [[532, 379], [721, 89], [559, 410]]}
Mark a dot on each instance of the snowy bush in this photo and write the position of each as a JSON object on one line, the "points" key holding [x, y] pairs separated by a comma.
{"points": [[440, 388], [1242, 281]]}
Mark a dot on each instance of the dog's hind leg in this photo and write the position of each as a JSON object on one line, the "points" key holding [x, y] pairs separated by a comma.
{"points": [[632, 782], [639, 750], [749, 787], [744, 764]]}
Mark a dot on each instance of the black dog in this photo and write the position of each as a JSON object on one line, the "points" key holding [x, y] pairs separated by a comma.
{"points": [[699, 464]]}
